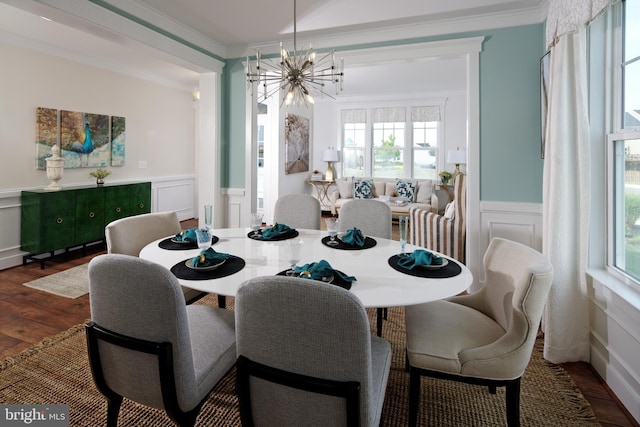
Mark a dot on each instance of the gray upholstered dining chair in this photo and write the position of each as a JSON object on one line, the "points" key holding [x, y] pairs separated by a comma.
{"points": [[145, 344], [306, 355], [484, 338], [372, 217], [129, 235], [298, 211]]}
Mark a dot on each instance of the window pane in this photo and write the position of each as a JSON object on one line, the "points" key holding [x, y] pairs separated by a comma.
{"points": [[425, 134], [353, 162], [631, 33], [388, 134], [424, 164], [631, 64], [354, 134], [627, 207], [387, 163], [388, 142]]}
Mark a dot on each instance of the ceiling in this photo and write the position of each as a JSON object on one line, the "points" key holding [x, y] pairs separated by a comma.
{"points": [[173, 41]]}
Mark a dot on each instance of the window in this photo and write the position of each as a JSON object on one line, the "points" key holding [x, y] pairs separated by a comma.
{"points": [[624, 149], [391, 141], [625, 169]]}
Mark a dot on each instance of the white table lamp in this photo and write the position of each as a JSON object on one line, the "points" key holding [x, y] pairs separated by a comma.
{"points": [[330, 156], [457, 157]]}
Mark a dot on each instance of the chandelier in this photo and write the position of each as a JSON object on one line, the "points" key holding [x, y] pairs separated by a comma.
{"points": [[299, 77]]}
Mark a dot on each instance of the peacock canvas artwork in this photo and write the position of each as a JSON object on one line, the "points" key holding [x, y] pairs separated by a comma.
{"points": [[46, 134], [84, 139], [117, 140]]}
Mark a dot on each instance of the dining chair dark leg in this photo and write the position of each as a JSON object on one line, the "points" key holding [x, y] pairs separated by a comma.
{"points": [[222, 301], [513, 403], [113, 409]]}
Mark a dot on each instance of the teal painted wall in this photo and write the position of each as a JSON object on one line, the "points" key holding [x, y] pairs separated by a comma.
{"points": [[233, 129], [510, 163]]}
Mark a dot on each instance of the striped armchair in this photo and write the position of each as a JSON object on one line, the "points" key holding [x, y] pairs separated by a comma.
{"points": [[439, 233]]}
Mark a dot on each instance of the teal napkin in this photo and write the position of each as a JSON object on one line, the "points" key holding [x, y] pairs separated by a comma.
{"points": [[277, 229], [208, 257], [320, 269], [187, 236], [419, 257], [353, 237]]}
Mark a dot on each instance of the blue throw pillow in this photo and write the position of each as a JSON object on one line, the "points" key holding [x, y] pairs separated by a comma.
{"points": [[362, 189], [406, 189]]}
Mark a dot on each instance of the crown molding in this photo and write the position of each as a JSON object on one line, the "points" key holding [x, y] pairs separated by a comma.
{"points": [[99, 18], [48, 49], [156, 21], [432, 28]]}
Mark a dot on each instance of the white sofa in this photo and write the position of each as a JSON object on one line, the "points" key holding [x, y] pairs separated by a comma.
{"points": [[386, 189]]}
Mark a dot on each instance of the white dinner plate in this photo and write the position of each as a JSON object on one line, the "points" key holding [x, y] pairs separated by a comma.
{"points": [[206, 268], [435, 266], [182, 242]]}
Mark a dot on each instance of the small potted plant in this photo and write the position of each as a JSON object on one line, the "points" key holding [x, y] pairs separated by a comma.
{"points": [[100, 175], [445, 176]]}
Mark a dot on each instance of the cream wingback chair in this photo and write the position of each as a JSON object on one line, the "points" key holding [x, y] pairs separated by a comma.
{"points": [[484, 338], [147, 345], [298, 211], [306, 356], [129, 235], [443, 233]]}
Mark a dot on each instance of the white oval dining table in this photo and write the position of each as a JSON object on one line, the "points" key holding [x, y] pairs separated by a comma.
{"points": [[377, 285]]}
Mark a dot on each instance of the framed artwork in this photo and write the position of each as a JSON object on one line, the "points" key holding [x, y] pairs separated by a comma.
{"points": [[46, 134], [84, 139], [544, 98], [117, 140], [296, 144]]}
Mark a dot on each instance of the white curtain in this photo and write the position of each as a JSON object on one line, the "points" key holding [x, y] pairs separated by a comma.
{"points": [[566, 201], [566, 189]]}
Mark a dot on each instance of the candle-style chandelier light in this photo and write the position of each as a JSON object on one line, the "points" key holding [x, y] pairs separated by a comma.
{"points": [[299, 77]]}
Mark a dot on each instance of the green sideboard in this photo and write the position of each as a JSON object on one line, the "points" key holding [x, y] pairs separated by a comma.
{"points": [[52, 220]]}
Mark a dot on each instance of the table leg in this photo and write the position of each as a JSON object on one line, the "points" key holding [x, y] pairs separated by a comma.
{"points": [[379, 316]]}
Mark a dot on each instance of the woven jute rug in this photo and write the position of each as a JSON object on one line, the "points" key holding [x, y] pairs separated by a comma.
{"points": [[57, 371], [70, 283]]}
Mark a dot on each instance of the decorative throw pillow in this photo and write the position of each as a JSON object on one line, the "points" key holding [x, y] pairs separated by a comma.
{"points": [[362, 188], [406, 189], [345, 187], [424, 192], [450, 210]]}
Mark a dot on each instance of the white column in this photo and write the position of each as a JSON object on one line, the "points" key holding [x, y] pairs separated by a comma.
{"points": [[207, 152]]}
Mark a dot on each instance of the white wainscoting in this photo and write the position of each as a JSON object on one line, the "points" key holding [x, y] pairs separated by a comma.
{"points": [[614, 315], [520, 222], [167, 193], [10, 253], [176, 194], [236, 207]]}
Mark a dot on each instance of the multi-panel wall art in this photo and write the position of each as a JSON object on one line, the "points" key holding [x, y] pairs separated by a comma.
{"points": [[86, 140]]}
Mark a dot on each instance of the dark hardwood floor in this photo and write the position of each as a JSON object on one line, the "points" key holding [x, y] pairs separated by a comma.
{"points": [[28, 315]]}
